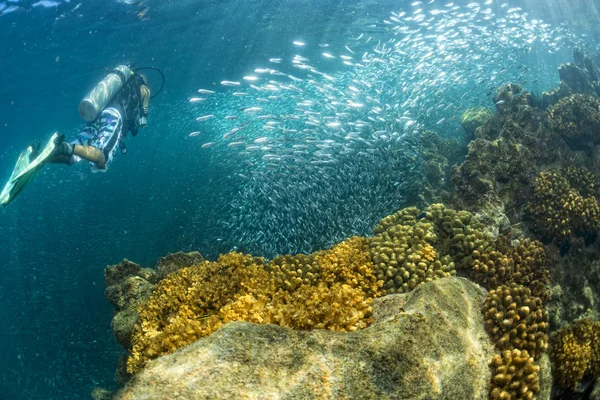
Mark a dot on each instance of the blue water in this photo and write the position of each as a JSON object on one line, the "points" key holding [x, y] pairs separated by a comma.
{"points": [[165, 195]]}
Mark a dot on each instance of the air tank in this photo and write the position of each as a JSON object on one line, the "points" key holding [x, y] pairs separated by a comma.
{"points": [[93, 104]]}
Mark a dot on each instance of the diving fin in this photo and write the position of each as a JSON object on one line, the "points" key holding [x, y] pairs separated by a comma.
{"points": [[28, 165], [39, 161]]}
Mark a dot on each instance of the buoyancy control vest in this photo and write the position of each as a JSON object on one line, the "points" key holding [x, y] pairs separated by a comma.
{"points": [[129, 103]]}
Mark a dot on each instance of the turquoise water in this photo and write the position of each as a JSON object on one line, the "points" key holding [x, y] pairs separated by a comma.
{"points": [[169, 193]]}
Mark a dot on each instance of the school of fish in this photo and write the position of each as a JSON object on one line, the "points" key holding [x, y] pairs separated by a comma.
{"points": [[323, 145]]}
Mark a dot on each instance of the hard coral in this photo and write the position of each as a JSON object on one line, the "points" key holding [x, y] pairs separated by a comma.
{"points": [[577, 117], [405, 257], [582, 180], [558, 210], [575, 352], [330, 289], [459, 234], [514, 376], [515, 319], [526, 264], [185, 305], [405, 216]]}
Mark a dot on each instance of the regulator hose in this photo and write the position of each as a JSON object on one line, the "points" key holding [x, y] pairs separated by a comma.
{"points": [[161, 74]]}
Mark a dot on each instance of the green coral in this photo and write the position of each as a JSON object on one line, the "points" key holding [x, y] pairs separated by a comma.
{"points": [[577, 116], [460, 234], [557, 209], [405, 257], [405, 216], [525, 264]]}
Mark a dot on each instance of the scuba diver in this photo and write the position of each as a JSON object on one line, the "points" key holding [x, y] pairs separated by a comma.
{"points": [[116, 106], [108, 125]]}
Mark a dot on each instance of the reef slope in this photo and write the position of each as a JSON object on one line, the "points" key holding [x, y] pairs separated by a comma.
{"points": [[426, 344]]}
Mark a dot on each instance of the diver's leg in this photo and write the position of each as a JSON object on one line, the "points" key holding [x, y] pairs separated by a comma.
{"points": [[109, 136], [62, 153], [91, 154]]}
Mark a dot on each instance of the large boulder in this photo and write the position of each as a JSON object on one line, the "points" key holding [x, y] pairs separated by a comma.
{"points": [[427, 344]]}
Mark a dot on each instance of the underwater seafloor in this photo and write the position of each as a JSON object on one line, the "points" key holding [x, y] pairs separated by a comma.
{"points": [[326, 189]]}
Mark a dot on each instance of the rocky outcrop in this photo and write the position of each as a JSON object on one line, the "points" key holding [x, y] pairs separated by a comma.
{"points": [[127, 284], [427, 344], [174, 262], [496, 178], [581, 76]]}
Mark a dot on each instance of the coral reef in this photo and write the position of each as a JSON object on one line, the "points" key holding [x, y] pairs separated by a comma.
{"points": [[427, 344], [473, 118], [511, 97], [577, 118], [575, 289], [530, 171], [525, 264], [558, 210], [405, 257], [575, 352], [503, 161], [127, 284], [329, 289], [438, 155], [515, 319], [514, 376], [581, 76]]}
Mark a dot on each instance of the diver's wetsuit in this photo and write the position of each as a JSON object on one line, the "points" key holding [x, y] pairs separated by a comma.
{"points": [[110, 127]]}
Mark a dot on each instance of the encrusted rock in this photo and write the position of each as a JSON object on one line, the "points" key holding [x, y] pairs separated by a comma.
{"points": [[429, 343], [122, 326], [116, 274], [101, 394], [129, 293], [174, 262], [473, 118], [581, 76]]}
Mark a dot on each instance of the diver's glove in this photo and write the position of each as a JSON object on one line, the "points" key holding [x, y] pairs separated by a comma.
{"points": [[143, 122]]}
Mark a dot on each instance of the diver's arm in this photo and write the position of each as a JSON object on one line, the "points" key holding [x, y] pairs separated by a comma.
{"points": [[145, 91]]}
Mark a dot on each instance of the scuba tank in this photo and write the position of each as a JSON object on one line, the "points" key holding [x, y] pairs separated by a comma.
{"points": [[93, 104]]}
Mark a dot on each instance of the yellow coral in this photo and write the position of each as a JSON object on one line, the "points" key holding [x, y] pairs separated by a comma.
{"points": [[576, 116], [515, 319], [514, 376], [558, 209], [575, 352], [330, 289], [428, 253]]}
